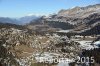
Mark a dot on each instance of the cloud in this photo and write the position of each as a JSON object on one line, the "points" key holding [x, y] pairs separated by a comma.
{"points": [[37, 14], [31, 14]]}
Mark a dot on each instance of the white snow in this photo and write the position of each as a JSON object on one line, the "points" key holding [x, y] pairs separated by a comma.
{"points": [[63, 64], [97, 42], [45, 57], [86, 45], [64, 31]]}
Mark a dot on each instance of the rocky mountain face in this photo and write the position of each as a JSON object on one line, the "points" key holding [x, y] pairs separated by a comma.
{"points": [[89, 25], [80, 12], [19, 47], [79, 19], [13, 43]]}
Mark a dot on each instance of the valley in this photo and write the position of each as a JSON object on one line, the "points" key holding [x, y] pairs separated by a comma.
{"points": [[58, 40]]}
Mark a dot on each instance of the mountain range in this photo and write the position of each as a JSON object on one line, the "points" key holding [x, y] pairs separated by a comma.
{"points": [[80, 12], [19, 21], [80, 20]]}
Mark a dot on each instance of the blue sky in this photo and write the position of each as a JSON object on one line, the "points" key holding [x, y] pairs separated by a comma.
{"points": [[19, 8]]}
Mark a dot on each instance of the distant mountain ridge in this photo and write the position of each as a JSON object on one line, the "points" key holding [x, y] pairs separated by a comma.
{"points": [[27, 19], [8, 20], [20, 21]]}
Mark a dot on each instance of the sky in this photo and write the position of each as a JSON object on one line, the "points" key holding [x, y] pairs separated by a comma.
{"points": [[19, 8]]}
